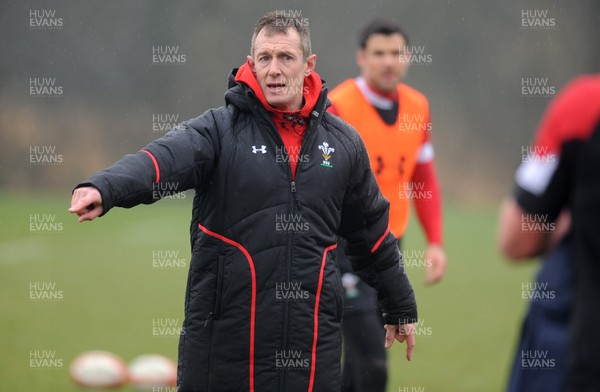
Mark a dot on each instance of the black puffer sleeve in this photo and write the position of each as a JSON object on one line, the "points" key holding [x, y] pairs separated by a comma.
{"points": [[178, 161], [372, 248]]}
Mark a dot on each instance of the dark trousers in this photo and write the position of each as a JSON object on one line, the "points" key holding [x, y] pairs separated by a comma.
{"points": [[545, 329], [364, 367]]}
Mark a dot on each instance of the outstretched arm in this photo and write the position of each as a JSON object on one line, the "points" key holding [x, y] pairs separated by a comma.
{"points": [[180, 160]]}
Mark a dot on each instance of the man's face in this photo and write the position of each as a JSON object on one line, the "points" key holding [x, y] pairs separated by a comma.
{"points": [[383, 61], [279, 65]]}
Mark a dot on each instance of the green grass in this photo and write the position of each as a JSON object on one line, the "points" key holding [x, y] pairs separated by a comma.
{"points": [[474, 314], [111, 295]]}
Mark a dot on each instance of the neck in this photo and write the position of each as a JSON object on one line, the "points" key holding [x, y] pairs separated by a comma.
{"points": [[389, 94], [374, 98], [294, 106]]}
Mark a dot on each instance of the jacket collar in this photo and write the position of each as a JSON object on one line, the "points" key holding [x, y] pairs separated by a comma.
{"points": [[316, 101]]}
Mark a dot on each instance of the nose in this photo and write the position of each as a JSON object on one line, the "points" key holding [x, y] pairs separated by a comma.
{"points": [[390, 59], [274, 69]]}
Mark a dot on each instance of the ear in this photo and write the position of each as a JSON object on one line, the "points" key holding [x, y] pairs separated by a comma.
{"points": [[360, 58], [251, 64], [311, 61]]}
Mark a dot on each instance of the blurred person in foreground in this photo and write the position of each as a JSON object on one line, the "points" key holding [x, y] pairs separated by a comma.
{"points": [[393, 119], [277, 180], [563, 172], [540, 360]]}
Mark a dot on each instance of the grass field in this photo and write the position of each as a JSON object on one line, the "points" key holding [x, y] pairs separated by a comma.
{"points": [[108, 293]]}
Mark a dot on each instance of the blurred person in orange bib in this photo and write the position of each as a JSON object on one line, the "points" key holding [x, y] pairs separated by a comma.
{"points": [[393, 119]]}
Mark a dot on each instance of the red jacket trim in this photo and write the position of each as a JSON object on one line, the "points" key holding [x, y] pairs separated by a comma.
{"points": [[380, 240], [316, 319], [253, 300], [156, 168]]}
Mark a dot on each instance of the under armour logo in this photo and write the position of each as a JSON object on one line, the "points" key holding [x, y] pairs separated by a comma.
{"points": [[262, 149]]}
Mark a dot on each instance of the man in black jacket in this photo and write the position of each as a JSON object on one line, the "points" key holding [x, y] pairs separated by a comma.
{"points": [[276, 180]]}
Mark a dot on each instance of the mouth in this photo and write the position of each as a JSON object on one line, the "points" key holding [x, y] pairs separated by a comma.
{"points": [[276, 87]]}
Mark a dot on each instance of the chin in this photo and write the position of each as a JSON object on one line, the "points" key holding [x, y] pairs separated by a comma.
{"points": [[277, 103], [388, 87]]}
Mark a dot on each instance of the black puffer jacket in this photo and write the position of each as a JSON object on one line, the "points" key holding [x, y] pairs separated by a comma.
{"points": [[264, 299]]}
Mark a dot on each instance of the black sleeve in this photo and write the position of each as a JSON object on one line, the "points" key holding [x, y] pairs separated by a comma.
{"points": [[178, 161], [372, 248], [553, 196]]}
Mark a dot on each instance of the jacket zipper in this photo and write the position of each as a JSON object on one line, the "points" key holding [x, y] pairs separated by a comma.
{"points": [[277, 137], [293, 202]]}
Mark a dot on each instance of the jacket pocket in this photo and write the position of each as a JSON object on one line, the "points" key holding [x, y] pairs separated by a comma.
{"points": [[219, 288]]}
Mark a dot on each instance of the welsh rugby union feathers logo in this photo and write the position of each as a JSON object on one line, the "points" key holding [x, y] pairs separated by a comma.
{"points": [[327, 151]]}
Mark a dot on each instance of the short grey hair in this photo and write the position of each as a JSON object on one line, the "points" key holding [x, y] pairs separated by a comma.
{"points": [[280, 22]]}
